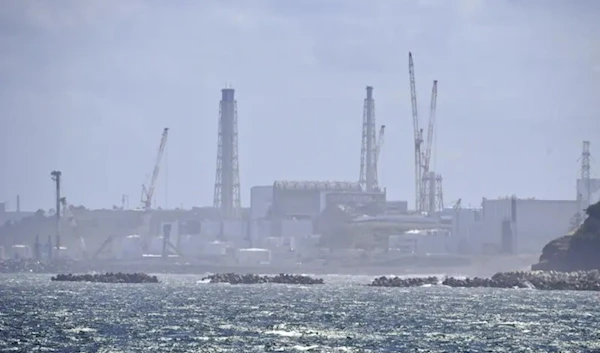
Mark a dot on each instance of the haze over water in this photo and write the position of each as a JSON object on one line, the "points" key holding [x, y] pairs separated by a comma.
{"points": [[184, 315]]}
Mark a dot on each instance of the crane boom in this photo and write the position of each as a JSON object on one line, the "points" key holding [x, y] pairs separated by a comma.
{"points": [[147, 201], [380, 140], [430, 129], [418, 135]]}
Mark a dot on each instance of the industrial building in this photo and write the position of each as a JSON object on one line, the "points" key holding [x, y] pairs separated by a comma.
{"points": [[511, 225], [285, 214]]}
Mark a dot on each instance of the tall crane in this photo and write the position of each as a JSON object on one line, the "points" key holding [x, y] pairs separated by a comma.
{"points": [[424, 180], [430, 129], [418, 135], [147, 193]]}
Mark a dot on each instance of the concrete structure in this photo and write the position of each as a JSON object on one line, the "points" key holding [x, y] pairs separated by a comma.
{"points": [[215, 248], [305, 198], [407, 221], [226, 230], [253, 256], [396, 207], [20, 251], [12, 216], [375, 201], [132, 247], [422, 242], [227, 180], [261, 200], [520, 226]]}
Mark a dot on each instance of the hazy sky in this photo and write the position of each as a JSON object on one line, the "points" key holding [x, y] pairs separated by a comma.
{"points": [[87, 87]]}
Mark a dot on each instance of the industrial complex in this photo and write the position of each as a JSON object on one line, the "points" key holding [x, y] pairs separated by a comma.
{"points": [[301, 223]]}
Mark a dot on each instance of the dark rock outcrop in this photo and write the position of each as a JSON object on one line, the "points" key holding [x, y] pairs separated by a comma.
{"points": [[233, 278], [579, 251], [543, 280], [403, 282], [108, 277]]}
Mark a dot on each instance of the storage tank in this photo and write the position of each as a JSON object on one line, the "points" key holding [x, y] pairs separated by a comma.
{"points": [[215, 248], [253, 256]]}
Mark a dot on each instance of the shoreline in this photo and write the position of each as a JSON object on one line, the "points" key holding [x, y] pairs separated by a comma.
{"points": [[477, 266]]}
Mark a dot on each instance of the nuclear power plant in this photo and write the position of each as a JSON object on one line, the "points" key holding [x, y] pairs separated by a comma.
{"points": [[303, 222]]}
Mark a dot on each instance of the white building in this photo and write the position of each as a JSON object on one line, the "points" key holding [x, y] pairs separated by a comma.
{"points": [[253, 256]]}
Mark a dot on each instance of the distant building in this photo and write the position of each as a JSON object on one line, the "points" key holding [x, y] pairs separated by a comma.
{"points": [[521, 226]]}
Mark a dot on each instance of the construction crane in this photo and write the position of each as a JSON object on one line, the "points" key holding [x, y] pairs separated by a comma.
{"points": [[430, 129], [147, 193], [68, 215], [418, 135], [424, 192]]}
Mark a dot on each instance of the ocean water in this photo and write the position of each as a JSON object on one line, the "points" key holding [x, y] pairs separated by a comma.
{"points": [[184, 315]]}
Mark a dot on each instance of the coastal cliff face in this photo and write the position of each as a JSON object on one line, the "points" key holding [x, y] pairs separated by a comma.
{"points": [[579, 251]]}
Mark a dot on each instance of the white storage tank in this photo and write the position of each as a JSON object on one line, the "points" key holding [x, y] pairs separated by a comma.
{"points": [[253, 256], [21, 251], [215, 248]]}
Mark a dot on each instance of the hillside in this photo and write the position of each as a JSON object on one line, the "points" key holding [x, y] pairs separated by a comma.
{"points": [[579, 251]]}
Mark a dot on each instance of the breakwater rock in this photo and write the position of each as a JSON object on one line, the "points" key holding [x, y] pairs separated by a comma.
{"points": [[234, 278], [543, 280], [404, 282], [577, 251], [108, 277]]}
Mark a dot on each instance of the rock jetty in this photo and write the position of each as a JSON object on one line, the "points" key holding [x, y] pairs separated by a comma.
{"points": [[108, 277], [543, 280], [404, 282], [234, 278], [577, 251]]}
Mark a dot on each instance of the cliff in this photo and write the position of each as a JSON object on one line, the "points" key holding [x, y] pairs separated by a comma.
{"points": [[575, 252]]}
